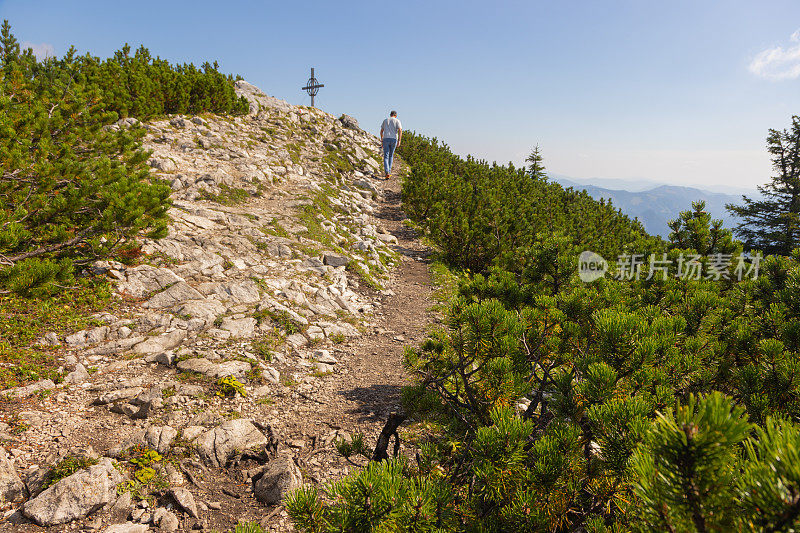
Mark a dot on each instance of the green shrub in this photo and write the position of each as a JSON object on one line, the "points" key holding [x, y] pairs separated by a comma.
{"points": [[355, 446], [480, 214], [229, 386], [248, 527], [72, 189], [66, 467]]}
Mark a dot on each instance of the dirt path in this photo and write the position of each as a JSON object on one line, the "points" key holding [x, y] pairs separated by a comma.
{"points": [[370, 388], [373, 386], [359, 398]]}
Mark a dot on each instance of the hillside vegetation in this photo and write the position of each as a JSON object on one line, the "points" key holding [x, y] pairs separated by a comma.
{"points": [[550, 404], [74, 188]]}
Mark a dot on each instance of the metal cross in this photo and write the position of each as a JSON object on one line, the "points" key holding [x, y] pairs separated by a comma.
{"points": [[312, 87]]}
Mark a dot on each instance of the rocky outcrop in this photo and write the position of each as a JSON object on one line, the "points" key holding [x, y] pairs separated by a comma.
{"points": [[75, 496], [12, 489], [259, 101], [220, 444], [349, 122], [280, 476], [185, 500], [159, 438]]}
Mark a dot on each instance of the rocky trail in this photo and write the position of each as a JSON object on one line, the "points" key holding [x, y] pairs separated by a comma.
{"points": [[267, 325]]}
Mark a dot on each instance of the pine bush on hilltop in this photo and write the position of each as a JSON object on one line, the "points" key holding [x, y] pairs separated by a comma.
{"points": [[141, 86], [72, 189]]}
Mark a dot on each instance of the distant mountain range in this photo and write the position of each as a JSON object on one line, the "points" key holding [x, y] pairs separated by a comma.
{"points": [[657, 204]]}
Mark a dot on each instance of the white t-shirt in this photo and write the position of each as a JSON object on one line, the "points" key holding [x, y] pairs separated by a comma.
{"points": [[390, 127]]}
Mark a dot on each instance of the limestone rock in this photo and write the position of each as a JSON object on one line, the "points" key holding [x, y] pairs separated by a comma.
{"points": [[160, 438], [98, 334], [323, 368], [280, 476], [176, 294], [194, 220], [153, 394], [161, 343], [349, 122], [146, 279], [203, 366], [237, 369], [124, 408], [199, 365], [297, 340], [79, 375], [164, 358], [243, 328], [35, 479], [127, 122], [116, 346], [33, 388], [165, 520], [184, 499], [324, 356], [315, 333], [258, 100], [119, 394], [163, 164], [239, 292], [11, 487], [335, 260], [127, 527], [75, 496], [121, 509], [76, 340], [387, 238], [218, 445], [174, 476], [206, 309], [192, 432]]}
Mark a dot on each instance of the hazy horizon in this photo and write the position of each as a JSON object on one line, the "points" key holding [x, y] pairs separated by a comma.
{"points": [[642, 184]]}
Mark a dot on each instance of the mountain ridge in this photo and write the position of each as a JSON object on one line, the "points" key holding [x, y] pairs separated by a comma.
{"points": [[656, 206]]}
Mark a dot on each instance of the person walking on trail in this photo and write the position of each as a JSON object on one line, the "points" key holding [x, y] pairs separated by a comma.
{"points": [[391, 135]]}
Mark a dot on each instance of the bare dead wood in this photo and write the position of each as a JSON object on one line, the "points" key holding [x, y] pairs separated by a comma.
{"points": [[52, 248], [389, 429]]}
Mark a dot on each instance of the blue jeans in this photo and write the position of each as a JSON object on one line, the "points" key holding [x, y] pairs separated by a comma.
{"points": [[389, 145]]}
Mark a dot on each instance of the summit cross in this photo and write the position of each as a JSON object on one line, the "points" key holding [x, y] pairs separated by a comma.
{"points": [[312, 86]]}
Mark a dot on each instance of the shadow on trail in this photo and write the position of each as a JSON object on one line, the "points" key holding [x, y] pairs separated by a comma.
{"points": [[374, 402], [423, 256], [392, 207]]}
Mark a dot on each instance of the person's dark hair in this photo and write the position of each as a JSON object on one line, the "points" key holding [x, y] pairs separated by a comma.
{"points": [[393, 114]]}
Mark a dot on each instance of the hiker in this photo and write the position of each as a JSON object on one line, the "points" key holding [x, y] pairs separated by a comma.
{"points": [[391, 134]]}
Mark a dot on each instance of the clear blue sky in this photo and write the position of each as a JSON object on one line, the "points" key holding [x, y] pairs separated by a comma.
{"points": [[679, 91]]}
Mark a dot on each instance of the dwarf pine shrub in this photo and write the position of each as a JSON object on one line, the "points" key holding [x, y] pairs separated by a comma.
{"points": [[545, 403], [71, 188]]}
